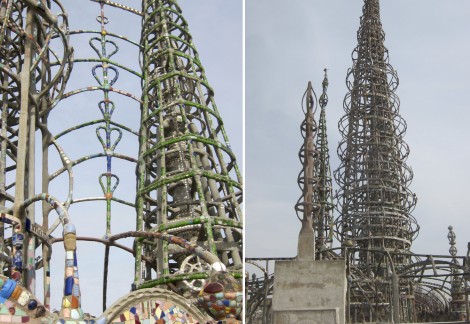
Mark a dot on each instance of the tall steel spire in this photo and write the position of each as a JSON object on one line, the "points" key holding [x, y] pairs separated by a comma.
{"points": [[374, 200], [189, 183], [324, 222]]}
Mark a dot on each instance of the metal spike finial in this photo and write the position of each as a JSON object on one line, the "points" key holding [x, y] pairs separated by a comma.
{"points": [[307, 155], [459, 299], [453, 249], [324, 97]]}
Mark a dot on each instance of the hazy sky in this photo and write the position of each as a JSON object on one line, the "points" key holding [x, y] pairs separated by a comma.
{"points": [[216, 28], [289, 44]]}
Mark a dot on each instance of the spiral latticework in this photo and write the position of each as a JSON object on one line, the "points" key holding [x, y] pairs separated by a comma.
{"points": [[307, 205], [324, 223], [374, 200], [189, 182]]}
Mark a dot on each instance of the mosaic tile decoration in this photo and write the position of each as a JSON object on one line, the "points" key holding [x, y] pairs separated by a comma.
{"points": [[17, 304], [222, 296], [155, 311], [71, 301]]}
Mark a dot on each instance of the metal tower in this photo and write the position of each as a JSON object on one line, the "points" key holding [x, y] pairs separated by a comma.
{"points": [[386, 282], [187, 222], [324, 223], [189, 184], [374, 200]]}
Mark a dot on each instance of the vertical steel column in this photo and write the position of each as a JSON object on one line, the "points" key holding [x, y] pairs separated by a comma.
{"points": [[459, 294], [6, 10], [142, 176], [265, 292], [25, 156]]}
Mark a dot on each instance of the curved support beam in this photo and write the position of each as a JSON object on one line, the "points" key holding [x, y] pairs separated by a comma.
{"points": [[208, 257]]}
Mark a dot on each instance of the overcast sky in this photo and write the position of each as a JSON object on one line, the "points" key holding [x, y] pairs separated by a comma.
{"points": [[289, 44], [216, 28]]}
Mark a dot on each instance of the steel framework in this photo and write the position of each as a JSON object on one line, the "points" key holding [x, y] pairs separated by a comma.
{"points": [[186, 188], [386, 281], [374, 200], [324, 223], [188, 220]]}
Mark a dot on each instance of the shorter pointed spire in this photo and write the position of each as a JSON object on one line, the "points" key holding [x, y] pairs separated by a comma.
{"points": [[457, 289], [307, 206], [452, 250]]}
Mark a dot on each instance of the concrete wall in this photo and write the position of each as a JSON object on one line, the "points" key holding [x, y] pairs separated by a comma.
{"points": [[309, 292]]}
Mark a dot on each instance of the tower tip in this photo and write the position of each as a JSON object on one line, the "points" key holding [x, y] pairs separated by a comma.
{"points": [[324, 96]]}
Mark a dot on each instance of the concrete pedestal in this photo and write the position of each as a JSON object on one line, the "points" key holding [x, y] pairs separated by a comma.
{"points": [[309, 292]]}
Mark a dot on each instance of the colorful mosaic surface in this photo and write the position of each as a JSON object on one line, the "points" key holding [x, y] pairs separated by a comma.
{"points": [[159, 312], [222, 296], [71, 299], [17, 304], [11, 314]]}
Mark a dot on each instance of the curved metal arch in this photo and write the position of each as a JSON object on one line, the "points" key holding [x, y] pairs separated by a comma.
{"points": [[423, 266], [143, 295]]}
